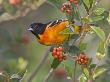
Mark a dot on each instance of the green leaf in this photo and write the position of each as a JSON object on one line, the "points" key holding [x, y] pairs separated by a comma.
{"points": [[89, 62], [18, 77], [68, 65], [96, 18], [15, 76], [99, 11], [55, 63], [66, 31], [92, 66], [85, 20], [98, 72], [66, 44], [82, 78], [91, 3], [86, 72], [73, 50], [101, 50], [99, 32], [9, 8], [87, 4], [83, 46]]}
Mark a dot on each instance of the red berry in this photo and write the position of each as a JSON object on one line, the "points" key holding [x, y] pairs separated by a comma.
{"points": [[60, 73], [62, 9], [61, 53], [76, 2], [71, 1], [58, 53], [60, 49], [60, 56], [54, 53], [82, 56], [25, 39], [60, 59], [55, 49], [55, 56], [15, 2], [68, 11], [82, 59]]}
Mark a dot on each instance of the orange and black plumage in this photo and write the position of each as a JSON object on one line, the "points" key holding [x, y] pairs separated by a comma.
{"points": [[49, 33]]}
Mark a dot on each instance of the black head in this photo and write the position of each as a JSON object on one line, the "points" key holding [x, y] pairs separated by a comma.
{"points": [[37, 28]]}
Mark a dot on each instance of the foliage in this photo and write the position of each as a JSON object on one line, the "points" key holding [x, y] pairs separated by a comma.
{"points": [[74, 46], [84, 17]]}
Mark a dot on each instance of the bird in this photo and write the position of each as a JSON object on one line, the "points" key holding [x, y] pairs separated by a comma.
{"points": [[50, 33]]}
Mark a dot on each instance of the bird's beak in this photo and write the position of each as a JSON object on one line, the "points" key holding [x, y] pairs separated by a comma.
{"points": [[30, 29]]}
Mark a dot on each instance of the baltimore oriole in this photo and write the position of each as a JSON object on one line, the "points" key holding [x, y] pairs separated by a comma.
{"points": [[49, 33]]}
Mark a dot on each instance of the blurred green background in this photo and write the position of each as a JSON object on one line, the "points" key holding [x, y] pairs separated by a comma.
{"points": [[19, 49]]}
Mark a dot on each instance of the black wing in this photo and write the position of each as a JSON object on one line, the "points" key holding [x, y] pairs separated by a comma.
{"points": [[54, 23]]}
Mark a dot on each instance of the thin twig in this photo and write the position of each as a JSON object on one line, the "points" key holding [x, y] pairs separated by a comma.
{"points": [[35, 71], [107, 40], [74, 74], [49, 75], [83, 34]]}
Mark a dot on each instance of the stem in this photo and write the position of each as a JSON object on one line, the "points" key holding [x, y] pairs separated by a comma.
{"points": [[74, 74], [107, 40], [37, 68], [90, 79], [83, 34], [49, 75]]}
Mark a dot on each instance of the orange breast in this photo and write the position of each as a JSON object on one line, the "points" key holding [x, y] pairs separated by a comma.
{"points": [[51, 35]]}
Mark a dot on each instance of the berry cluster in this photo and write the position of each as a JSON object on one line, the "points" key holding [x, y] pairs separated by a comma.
{"points": [[82, 59], [66, 7], [74, 1], [58, 53]]}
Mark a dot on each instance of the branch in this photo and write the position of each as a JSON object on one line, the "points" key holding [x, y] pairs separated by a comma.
{"points": [[49, 75], [21, 13], [81, 38], [35, 71]]}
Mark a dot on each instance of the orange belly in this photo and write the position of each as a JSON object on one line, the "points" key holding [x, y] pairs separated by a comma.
{"points": [[52, 38], [51, 35]]}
